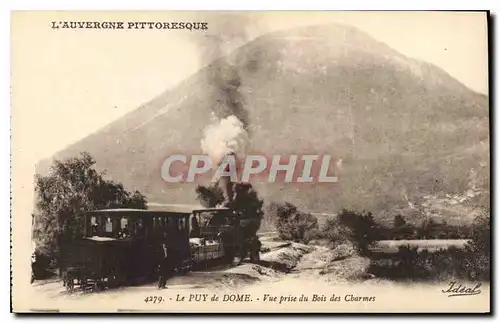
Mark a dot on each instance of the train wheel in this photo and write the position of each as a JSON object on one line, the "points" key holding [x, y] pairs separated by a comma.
{"points": [[69, 283], [84, 284], [97, 286]]}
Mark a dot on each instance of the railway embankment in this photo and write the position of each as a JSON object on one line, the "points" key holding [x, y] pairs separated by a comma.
{"points": [[283, 261], [322, 262]]}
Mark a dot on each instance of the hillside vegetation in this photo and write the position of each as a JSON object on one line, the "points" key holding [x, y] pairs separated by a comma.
{"points": [[404, 128]]}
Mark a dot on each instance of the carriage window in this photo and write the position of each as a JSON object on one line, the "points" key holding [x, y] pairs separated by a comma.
{"points": [[93, 226], [124, 232], [140, 228], [109, 225], [123, 223]]}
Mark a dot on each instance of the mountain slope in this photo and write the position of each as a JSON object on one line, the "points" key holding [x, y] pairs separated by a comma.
{"points": [[404, 128]]}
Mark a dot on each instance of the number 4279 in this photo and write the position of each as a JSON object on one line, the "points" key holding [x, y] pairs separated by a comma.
{"points": [[154, 299]]}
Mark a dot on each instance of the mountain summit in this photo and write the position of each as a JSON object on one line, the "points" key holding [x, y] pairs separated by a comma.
{"points": [[403, 128]]}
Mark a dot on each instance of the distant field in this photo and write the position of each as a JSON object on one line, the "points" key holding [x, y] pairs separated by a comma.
{"points": [[270, 239], [391, 246]]}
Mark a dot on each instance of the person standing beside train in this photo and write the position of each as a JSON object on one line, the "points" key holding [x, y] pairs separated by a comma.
{"points": [[166, 263]]}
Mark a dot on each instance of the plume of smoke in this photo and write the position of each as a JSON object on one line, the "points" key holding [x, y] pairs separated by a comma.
{"points": [[224, 76], [223, 137], [230, 100], [228, 133]]}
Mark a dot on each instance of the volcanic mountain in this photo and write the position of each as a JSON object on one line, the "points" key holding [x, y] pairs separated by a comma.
{"points": [[404, 128]]}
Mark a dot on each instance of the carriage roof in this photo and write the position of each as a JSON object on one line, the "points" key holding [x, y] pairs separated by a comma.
{"points": [[172, 210]]}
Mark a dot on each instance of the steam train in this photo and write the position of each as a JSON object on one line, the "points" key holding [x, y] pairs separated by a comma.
{"points": [[122, 246]]}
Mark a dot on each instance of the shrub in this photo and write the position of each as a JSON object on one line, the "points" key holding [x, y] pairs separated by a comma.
{"points": [[479, 247], [444, 264], [481, 234], [362, 228], [293, 224], [336, 232]]}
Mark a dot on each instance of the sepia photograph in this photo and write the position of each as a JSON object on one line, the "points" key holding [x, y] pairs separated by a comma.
{"points": [[250, 161]]}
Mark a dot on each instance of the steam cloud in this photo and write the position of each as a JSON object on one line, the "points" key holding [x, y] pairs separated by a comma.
{"points": [[228, 131], [224, 137]]}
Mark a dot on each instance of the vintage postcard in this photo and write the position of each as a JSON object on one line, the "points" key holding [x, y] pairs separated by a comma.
{"points": [[286, 162]]}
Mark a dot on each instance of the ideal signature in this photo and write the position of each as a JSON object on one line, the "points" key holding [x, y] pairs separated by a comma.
{"points": [[462, 290]]}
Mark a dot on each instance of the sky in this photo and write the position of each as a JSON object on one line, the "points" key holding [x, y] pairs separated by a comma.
{"points": [[67, 84]]}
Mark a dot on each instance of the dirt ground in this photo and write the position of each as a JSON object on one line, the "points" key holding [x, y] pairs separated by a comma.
{"points": [[286, 270], [285, 260]]}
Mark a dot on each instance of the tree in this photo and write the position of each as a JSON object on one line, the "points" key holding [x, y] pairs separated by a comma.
{"points": [[402, 229], [246, 204], [363, 227], [71, 188], [481, 234], [429, 229], [209, 196], [399, 221]]}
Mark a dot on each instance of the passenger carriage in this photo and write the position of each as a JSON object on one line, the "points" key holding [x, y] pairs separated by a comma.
{"points": [[123, 246]]}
